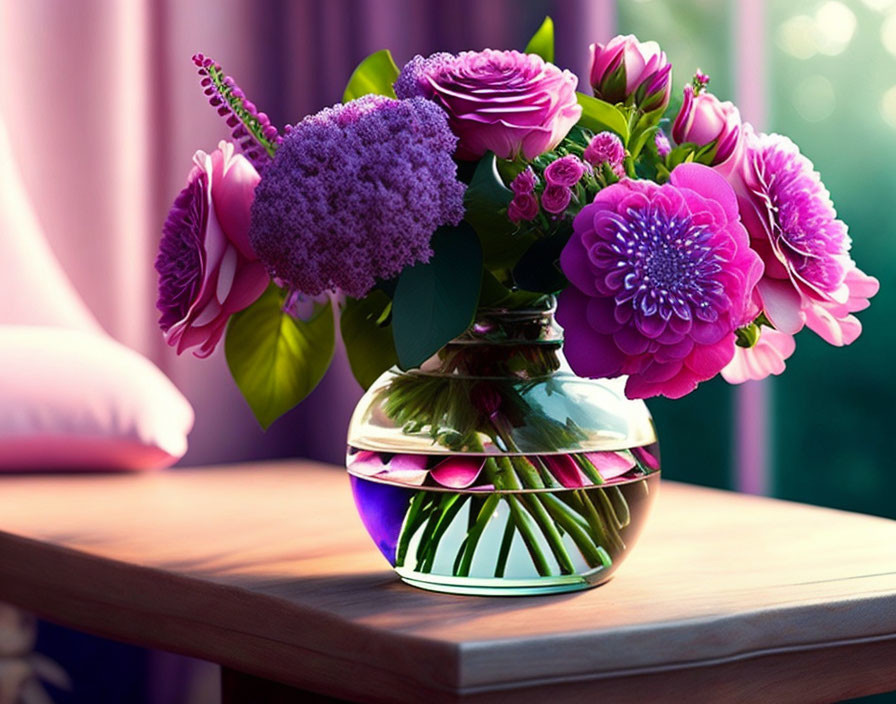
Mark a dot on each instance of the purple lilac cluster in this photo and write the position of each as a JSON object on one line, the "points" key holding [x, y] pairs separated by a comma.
{"points": [[355, 193], [251, 130], [412, 82]]}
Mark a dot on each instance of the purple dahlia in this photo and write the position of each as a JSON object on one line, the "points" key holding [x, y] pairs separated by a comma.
{"points": [[354, 194], [661, 276]]}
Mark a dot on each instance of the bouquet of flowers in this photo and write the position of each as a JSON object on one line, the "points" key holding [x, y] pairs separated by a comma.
{"points": [[678, 247]]}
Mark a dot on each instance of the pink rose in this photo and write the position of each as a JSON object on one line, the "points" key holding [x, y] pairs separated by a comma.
{"points": [[207, 269], [555, 199], [565, 171], [524, 182], [524, 206], [703, 120], [631, 72], [501, 101]]}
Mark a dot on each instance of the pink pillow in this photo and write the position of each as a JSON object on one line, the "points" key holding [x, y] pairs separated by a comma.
{"points": [[72, 399]]}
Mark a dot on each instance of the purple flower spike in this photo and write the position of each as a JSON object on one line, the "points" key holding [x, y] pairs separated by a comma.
{"points": [[240, 114]]}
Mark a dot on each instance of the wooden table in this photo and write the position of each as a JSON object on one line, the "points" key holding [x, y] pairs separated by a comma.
{"points": [[267, 570]]}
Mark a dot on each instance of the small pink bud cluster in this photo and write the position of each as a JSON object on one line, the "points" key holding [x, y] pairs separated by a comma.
{"points": [[524, 205]]}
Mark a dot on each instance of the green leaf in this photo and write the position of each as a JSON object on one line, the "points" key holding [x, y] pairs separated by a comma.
{"points": [[599, 116], [375, 74], [275, 359], [436, 301], [538, 269], [367, 336], [542, 42], [486, 201], [494, 294]]}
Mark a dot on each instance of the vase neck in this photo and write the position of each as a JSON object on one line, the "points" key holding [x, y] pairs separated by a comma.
{"points": [[522, 343]]}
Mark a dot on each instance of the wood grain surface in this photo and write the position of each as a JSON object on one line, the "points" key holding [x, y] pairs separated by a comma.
{"points": [[267, 569]]}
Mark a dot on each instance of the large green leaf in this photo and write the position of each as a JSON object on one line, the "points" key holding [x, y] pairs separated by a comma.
{"points": [[539, 269], [542, 42], [367, 336], [486, 200], [276, 359], [375, 74], [599, 116], [436, 301]]}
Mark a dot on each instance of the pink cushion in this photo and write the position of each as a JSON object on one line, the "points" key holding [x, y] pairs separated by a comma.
{"points": [[72, 399], [33, 287]]}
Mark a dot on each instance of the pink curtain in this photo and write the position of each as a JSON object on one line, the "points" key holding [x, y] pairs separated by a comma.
{"points": [[104, 111]]}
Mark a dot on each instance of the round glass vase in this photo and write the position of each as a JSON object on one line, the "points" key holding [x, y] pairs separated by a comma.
{"points": [[493, 469]]}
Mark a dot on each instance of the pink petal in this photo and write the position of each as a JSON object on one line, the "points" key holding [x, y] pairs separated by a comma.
{"points": [[404, 476], [458, 472], [566, 471], [366, 463], [646, 457], [781, 304], [611, 464], [408, 462]]}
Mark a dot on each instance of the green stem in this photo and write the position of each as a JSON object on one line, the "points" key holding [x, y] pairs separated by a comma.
{"points": [[435, 516], [524, 525], [561, 514], [533, 503], [447, 516], [475, 533], [621, 506], [598, 526], [412, 521], [504, 552]]}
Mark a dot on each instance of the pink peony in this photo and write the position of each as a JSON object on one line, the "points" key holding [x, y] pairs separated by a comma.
{"points": [[632, 72], [501, 101], [207, 268], [810, 278], [765, 357], [661, 277], [702, 120]]}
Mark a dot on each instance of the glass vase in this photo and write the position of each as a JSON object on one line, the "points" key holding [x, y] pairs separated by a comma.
{"points": [[494, 469]]}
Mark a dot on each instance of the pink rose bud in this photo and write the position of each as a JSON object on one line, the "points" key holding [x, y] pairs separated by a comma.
{"points": [[662, 144], [565, 171], [631, 72], [524, 206], [703, 119], [555, 199], [606, 148], [524, 182]]}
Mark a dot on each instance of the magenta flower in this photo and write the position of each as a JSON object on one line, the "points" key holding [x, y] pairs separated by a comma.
{"points": [[565, 171], [703, 120], [810, 278], [555, 199], [355, 193], [524, 181], [632, 72], [662, 144], [501, 101], [661, 276], [524, 206], [207, 269], [606, 148]]}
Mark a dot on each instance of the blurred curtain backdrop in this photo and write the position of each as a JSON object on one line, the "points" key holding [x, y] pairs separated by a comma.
{"points": [[105, 111]]}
